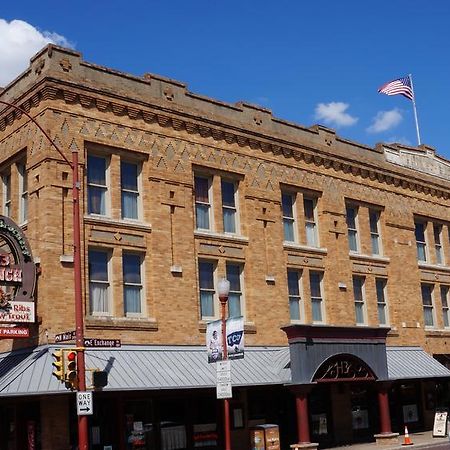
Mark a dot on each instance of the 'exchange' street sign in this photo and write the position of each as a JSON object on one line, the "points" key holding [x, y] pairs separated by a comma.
{"points": [[93, 342]]}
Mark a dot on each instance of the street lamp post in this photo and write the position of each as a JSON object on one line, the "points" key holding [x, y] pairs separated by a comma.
{"points": [[83, 439], [224, 290]]}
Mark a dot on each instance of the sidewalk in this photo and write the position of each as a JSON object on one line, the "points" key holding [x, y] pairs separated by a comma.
{"points": [[420, 440]]}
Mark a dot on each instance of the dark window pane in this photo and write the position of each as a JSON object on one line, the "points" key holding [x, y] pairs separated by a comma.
{"points": [[131, 268], [420, 232], [206, 270], [96, 170], [293, 282], [201, 189], [233, 276], [228, 194], [286, 200], [314, 280], [129, 176], [98, 263], [308, 205]]}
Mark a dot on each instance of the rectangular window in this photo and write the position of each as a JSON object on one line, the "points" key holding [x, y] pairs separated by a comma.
{"points": [[374, 218], [421, 241], [358, 294], [97, 186], [234, 273], [309, 207], [99, 284], [381, 301], [206, 286], [315, 284], [129, 185], [202, 188], [23, 193], [229, 206], [6, 181], [437, 231], [132, 283], [427, 302], [295, 301], [287, 201], [445, 309], [352, 230]]}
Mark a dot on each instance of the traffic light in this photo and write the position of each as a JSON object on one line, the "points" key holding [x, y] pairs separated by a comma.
{"points": [[58, 364], [70, 369], [99, 378]]}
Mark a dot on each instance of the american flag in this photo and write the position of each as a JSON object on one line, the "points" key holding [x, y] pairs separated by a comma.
{"points": [[401, 86]]}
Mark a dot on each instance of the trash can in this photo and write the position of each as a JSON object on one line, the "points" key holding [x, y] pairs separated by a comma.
{"points": [[265, 437]]}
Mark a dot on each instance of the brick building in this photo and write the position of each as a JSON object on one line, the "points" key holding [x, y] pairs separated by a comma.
{"points": [[338, 256]]}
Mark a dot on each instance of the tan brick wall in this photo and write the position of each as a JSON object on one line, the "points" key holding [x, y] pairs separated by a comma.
{"points": [[169, 157]]}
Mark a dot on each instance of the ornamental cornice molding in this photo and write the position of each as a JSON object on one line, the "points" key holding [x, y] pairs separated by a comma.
{"points": [[181, 121]]}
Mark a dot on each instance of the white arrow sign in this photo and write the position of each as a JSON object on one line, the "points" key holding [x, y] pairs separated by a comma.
{"points": [[85, 406]]}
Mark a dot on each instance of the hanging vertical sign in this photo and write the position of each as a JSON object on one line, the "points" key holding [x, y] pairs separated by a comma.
{"points": [[214, 341], [235, 337], [17, 275]]}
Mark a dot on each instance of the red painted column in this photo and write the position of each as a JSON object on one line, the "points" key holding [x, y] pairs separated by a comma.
{"points": [[383, 406], [301, 402]]}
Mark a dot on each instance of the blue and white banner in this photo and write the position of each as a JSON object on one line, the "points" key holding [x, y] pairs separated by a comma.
{"points": [[235, 337]]}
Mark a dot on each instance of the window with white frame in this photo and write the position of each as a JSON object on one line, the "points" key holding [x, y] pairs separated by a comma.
{"points": [[235, 297], [6, 185], [294, 293], [99, 282], [427, 302], [229, 206], [421, 241], [375, 240], [132, 283], [287, 205], [202, 187], [309, 207], [97, 184], [437, 231], [315, 286], [445, 307], [358, 295], [23, 193], [352, 228], [206, 271], [129, 185], [380, 284]]}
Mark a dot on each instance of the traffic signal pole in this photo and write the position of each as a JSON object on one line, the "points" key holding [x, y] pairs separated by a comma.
{"points": [[83, 437]]}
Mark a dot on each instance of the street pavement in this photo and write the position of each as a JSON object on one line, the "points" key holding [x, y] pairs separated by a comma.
{"points": [[424, 440]]}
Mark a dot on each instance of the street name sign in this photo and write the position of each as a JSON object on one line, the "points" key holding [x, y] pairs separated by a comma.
{"points": [[93, 342], [66, 336], [85, 406]]}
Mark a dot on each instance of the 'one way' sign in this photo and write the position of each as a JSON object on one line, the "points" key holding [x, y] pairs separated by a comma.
{"points": [[85, 405]]}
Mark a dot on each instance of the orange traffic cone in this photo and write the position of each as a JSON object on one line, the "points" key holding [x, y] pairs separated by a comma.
{"points": [[407, 440]]}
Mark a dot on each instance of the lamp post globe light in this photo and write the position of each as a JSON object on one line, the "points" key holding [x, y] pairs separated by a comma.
{"points": [[223, 289]]}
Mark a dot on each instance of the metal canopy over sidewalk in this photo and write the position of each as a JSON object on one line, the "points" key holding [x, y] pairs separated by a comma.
{"points": [[133, 368]]}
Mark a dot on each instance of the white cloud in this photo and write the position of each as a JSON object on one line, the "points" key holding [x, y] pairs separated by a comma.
{"points": [[333, 113], [19, 41], [385, 120]]}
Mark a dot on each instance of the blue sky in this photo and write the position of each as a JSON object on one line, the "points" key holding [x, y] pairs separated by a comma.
{"points": [[309, 62]]}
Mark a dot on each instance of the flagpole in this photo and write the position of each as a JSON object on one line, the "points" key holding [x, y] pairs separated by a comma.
{"points": [[415, 109]]}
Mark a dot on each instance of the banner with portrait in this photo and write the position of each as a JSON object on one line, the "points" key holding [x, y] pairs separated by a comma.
{"points": [[214, 341]]}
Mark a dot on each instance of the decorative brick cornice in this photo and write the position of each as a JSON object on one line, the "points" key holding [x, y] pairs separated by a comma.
{"points": [[222, 132]]}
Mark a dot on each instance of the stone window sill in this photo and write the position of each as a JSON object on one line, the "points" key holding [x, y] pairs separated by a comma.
{"points": [[120, 323]]}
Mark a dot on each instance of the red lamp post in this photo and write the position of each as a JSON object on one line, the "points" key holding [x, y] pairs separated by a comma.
{"points": [[83, 439], [224, 290]]}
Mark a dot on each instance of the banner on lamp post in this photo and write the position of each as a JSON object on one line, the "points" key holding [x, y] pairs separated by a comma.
{"points": [[235, 337], [214, 341]]}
